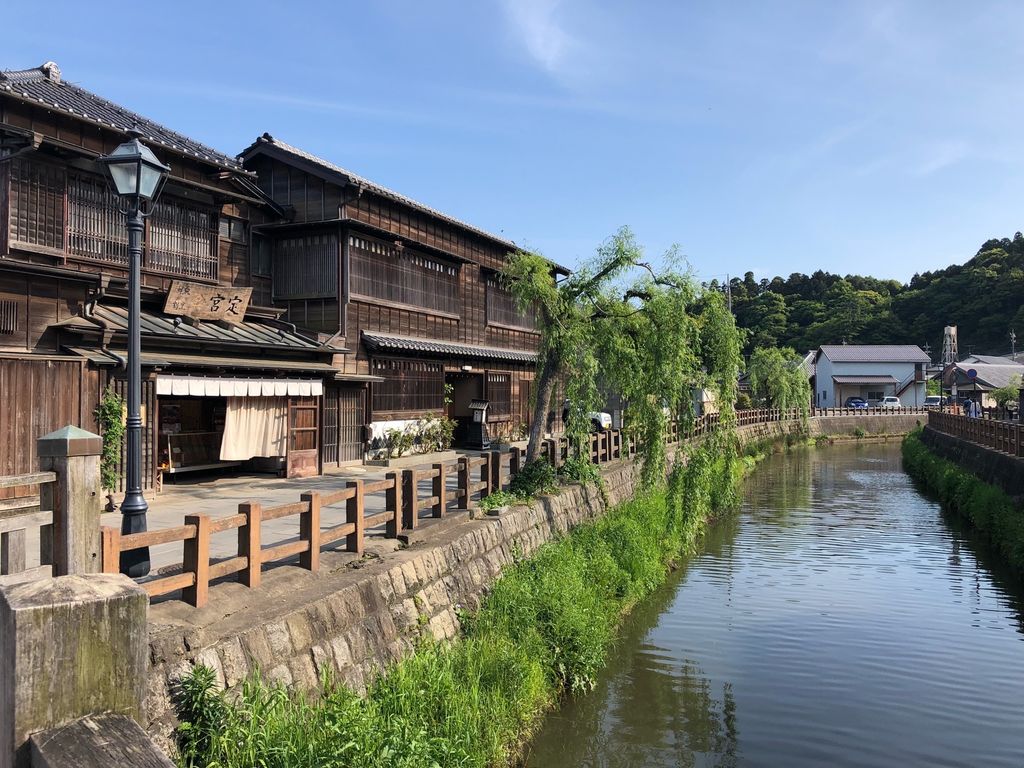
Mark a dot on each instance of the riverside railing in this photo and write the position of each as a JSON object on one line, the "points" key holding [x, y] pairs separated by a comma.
{"points": [[327, 518], [18, 517], [1002, 436]]}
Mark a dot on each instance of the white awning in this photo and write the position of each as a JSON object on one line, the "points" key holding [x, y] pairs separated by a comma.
{"points": [[219, 386]]}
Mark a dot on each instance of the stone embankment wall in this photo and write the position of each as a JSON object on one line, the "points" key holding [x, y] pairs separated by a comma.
{"points": [[990, 466], [357, 615]]}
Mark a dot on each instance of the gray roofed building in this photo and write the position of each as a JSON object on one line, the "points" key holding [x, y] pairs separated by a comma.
{"points": [[46, 87], [874, 353]]}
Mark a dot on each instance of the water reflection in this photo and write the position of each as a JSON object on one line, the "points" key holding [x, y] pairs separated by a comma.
{"points": [[836, 619]]}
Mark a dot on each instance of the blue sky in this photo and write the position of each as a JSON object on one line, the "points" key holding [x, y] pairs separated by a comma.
{"points": [[877, 137]]}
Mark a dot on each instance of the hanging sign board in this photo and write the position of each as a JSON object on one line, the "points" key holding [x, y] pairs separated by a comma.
{"points": [[207, 302]]}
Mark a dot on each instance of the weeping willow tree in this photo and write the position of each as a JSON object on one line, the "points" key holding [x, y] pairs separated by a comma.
{"points": [[618, 325], [778, 378]]}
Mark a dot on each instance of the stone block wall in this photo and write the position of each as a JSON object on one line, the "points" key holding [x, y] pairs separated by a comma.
{"points": [[356, 616], [353, 621]]}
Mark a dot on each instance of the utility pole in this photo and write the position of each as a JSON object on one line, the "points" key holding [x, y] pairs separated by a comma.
{"points": [[728, 291], [1013, 345]]}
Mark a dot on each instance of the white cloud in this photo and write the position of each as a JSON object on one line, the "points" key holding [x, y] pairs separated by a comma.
{"points": [[536, 23], [941, 154]]}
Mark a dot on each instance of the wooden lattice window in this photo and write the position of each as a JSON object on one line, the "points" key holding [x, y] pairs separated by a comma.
{"points": [[409, 385], [183, 240], [306, 267], [259, 256], [8, 317], [96, 228], [499, 393], [383, 271], [502, 308], [37, 203]]}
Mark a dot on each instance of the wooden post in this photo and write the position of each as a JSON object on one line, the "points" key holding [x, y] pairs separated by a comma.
{"points": [[465, 494], [554, 453], [74, 456], [440, 490], [110, 560], [197, 560], [495, 463], [409, 494], [393, 502], [485, 476], [515, 461], [355, 513], [309, 530], [12, 552], [250, 544]]}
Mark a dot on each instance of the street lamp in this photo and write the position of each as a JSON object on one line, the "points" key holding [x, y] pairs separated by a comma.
{"points": [[138, 178]]}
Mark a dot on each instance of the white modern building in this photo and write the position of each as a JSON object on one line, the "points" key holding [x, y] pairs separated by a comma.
{"points": [[871, 372]]}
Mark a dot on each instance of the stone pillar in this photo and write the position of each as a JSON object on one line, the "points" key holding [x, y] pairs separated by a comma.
{"points": [[74, 456], [71, 646]]}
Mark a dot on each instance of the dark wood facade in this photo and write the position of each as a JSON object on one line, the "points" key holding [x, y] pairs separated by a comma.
{"points": [[63, 249], [329, 258], [355, 258]]}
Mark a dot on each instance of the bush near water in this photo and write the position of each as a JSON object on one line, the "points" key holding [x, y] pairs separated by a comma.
{"points": [[544, 631], [988, 508]]}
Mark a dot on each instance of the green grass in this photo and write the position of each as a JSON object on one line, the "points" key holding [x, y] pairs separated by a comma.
{"points": [[988, 508], [543, 632]]}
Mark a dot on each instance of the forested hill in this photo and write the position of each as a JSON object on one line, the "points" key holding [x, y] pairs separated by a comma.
{"points": [[984, 297]]}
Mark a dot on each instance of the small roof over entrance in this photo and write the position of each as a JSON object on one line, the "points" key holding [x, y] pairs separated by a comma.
{"points": [[866, 380], [386, 342]]}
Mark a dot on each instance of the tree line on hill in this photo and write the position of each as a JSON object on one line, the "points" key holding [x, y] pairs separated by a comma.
{"points": [[984, 298]]}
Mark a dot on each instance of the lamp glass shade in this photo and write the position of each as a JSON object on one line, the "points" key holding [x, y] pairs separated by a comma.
{"points": [[135, 170], [126, 177]]}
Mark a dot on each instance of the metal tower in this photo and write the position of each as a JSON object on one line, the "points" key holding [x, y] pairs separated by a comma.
{"points": [[949, 351]]}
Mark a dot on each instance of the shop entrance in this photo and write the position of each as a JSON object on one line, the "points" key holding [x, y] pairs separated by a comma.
{"points": [[262, 424], [466, 387], [342, 434], [191, 430]]}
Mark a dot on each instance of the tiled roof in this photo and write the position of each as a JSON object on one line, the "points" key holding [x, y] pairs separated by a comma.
{"points": [[348, 177], [157, 325], [874, 353], [993, 376], [989, 360], [865, 379], [44, 86], [389, 343]]}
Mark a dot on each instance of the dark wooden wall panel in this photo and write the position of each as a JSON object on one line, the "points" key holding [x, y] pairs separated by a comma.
{"points": [[38, 396]]}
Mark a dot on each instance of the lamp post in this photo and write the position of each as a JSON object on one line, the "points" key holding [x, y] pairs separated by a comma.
{"points": [[138, 178]]}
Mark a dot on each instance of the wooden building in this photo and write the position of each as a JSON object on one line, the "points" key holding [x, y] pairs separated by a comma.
{"points": [[63, 257], [412, 292], [282, 296]]}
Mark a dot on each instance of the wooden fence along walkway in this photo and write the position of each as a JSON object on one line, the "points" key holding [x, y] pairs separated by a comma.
{"points": [[477, 477], [20, 515], [1002, 436]]}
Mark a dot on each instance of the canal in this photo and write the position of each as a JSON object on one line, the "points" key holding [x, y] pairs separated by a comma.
{"points": [[836, 619]]}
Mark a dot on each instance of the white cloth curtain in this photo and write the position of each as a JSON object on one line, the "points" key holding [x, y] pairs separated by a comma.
{"points": [[254, 426]]}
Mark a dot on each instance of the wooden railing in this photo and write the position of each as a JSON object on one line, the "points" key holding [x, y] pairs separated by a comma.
{"points": [[404, 502], [869, 411], [476, 477], [1002, 436], [20, 515]]}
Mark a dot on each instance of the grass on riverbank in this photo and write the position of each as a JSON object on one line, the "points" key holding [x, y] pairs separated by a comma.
{"points": [[988, 508], [543, 631]]}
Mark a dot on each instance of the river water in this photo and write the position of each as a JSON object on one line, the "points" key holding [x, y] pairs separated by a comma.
{"points": [[836, 619]]}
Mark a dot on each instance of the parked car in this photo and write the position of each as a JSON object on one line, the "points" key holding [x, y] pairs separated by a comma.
{"points": [[599, 421], [890, 402], [933, 401], [856, 402]]}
